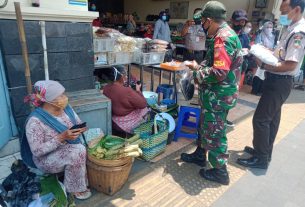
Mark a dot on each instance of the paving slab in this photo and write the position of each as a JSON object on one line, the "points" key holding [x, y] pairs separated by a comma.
{"points": [[281, 185]]}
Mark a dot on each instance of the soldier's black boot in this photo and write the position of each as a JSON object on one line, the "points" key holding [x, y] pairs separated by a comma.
{"points": [[198, 157], [219, 175]]}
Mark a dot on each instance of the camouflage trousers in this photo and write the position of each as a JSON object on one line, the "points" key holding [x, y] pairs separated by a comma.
{"points": [[213, 136], [215, 106]]}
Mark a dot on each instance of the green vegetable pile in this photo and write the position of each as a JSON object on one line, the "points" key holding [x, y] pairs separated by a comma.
{"points": [[112, 148]]}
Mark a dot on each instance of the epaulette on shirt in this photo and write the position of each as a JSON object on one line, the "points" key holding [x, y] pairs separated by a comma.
{"points": [[297, 37]]}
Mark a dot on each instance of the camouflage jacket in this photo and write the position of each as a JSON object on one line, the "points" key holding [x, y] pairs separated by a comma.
{"points": [[219, 74]]}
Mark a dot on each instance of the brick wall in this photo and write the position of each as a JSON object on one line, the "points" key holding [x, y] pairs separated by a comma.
{"points": [[70, 58]]}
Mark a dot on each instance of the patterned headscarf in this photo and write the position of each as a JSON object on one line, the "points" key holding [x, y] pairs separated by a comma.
{"points": [[45, 91], [267, 38]]}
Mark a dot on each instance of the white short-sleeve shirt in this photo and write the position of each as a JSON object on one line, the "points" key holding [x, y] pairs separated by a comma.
{"points": [[291, 46]]}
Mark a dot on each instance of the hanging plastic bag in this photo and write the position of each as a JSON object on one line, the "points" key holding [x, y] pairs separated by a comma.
{"points": [[186, 82], [21, 185]]}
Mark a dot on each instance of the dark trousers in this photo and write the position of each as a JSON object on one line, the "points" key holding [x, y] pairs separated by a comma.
{"points": [[267, 116], [257, 85], [193, 55]]}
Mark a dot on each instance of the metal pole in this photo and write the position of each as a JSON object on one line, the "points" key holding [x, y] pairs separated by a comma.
{"points": [[45, 50], [24, 47]]}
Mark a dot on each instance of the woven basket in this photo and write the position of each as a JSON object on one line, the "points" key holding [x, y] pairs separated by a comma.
{"points": [[108, 176], [108, 163], [153, 144]]}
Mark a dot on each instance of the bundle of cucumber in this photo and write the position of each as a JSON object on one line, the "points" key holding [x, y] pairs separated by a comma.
{"points": [[112, 148]]}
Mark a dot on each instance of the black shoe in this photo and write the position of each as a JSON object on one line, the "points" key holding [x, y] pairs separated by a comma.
{"points": [[254, 162], [216, 175], [300, 87], [249, 150], [198, 157], [252, 152], [230, 124]]}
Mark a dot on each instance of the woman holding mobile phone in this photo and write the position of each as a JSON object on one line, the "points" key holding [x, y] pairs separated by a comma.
{"points": [[129, 107], [49, 143]]}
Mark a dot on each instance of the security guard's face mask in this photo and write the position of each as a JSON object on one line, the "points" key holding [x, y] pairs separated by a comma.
{"points": [[286, 18]]}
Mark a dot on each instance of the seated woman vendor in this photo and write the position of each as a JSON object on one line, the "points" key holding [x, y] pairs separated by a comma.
{"points": [[129, 107], [49, 144]]}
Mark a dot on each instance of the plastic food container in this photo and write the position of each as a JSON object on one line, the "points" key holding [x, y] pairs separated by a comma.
{"points": [[151, 97]]}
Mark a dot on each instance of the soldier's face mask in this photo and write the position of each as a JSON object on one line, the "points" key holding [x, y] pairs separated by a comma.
{"points": [[206, 28], [197, 22]]}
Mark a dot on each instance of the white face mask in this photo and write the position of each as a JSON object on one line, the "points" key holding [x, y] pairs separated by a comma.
{"points": [[268, 31]]}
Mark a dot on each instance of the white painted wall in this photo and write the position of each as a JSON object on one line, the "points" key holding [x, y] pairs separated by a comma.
{"points": [[52, 4], [145, 7], [52, 10]]}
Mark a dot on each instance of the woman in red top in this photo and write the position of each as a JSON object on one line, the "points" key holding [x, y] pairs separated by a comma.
{"points": [[129, 107]]}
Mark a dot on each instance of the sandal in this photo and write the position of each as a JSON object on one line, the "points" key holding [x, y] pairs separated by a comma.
{"points": [[83, 195]]}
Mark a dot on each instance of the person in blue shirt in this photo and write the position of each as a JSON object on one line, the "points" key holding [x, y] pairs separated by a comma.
{"points": [[239, 20], [162, 30]]}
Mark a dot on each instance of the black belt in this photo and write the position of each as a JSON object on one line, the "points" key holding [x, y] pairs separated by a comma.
{"points": [[276, 76]]}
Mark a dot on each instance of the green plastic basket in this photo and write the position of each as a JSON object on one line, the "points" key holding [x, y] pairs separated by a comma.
{"points": [[153, 144]]}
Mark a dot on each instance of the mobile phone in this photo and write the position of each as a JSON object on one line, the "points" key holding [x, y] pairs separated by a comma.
{"points": [[78, 126]]}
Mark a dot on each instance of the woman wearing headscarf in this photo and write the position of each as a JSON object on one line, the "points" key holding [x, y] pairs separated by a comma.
{"points": [[131, 25], [267, 39], [48, 142], [129, 107], [162, 30]]}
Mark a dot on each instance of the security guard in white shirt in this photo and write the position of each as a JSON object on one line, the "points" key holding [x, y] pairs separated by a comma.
{"points": [[194, 38], [277, 86]]}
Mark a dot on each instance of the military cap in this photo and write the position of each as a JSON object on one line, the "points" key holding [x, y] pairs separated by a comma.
{"points": [[214, 9]]}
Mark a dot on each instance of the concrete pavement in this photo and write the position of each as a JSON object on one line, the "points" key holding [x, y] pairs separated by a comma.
{"points": [[282, 185], [171, 182]]}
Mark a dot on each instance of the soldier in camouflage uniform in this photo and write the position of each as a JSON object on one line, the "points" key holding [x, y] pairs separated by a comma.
{"points": [[218, 80]]}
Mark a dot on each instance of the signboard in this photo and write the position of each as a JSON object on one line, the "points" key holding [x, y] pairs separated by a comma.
{"points": [[179, 10], [78, 2]]}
